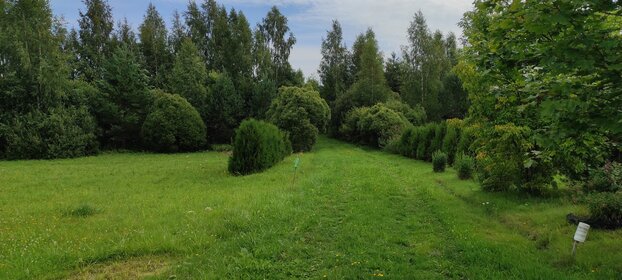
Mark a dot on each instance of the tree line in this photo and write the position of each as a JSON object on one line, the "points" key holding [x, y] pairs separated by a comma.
{"points": [[68, 93]]}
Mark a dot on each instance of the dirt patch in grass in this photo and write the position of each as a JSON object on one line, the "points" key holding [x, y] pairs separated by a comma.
{"points": [[135, 268]]}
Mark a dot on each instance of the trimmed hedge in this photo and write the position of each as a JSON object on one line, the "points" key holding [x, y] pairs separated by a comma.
{"points": [[173, 125], [258, 146]]}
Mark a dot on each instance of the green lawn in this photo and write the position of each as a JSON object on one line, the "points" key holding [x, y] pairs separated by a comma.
{"points": [[352, 213]]}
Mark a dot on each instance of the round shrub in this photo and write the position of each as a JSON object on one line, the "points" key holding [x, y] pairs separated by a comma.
{"points": [[439, 161], [173, 125], [257, 146], [465, 165], [606, 210], [374, 126], [302, 113]]}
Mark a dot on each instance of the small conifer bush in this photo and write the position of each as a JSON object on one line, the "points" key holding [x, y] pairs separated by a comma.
{"points": [[439, 161], [465, 165], [258, 146]]}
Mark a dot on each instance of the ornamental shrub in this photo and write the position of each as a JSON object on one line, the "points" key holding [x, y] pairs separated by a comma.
{"points": [[606, 210], [436, 143], [465, 165], [439, 161], [373, 126], [173, 125], [257, 146], [302, 113], [426, 134]]}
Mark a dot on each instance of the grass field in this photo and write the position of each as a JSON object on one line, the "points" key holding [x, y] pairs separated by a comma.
{"points": [[351, 214]]}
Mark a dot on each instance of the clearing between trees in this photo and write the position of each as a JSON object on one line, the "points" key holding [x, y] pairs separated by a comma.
{"points": [[351, 213]]}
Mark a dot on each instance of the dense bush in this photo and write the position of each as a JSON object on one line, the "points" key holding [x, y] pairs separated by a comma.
{"points": [[426, 135], [606, 210], [416, 116], [302, 113], [374, 126], [123, 102], [605, 179], [59, 133], [467, 138], [173, 125], [451, 139], [464, 165], [436, 144], [439, 161], [509, 159], [225, 110], [257, 146]]}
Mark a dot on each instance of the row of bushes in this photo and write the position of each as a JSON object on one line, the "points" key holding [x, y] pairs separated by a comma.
{"points": [[450, 137]]}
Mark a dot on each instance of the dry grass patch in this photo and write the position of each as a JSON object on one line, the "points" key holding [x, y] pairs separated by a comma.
{"points": [[136, 268]]}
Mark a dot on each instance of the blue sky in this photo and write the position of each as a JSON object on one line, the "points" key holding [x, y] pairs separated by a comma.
{"points": [[308, 19]]}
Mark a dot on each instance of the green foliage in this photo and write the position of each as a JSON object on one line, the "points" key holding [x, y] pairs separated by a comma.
{"points": [[467, 138], [257, 146], [605, 179], [416, 116], [465, 166], [333, 67], [508, 159], [154, 46], [122, 106], [439, 161], [302, 113], [451, 139], [426, 78], [370, 87], [375, 126], [226, 108], [59, 133], [96, 25], [188, 77], [173, 125], [546, 77], [263, 93], [606, 210], [437, 140], [425, 137], [275, 36]]}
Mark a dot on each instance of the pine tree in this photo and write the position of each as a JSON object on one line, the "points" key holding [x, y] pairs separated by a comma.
{"points": [[189, 77], [153, 45], [178, 34]]}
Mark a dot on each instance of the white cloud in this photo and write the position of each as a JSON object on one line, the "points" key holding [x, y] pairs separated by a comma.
{"points": [[388, 18]]}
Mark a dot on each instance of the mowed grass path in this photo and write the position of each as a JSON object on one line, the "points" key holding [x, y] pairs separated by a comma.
{"points": [[352, 213]]}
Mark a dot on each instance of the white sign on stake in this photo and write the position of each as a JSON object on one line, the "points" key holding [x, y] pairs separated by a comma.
{"points": [[579, 236]]}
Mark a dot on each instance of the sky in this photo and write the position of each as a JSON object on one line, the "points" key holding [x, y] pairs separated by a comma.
{"points": [[309, 20]]}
